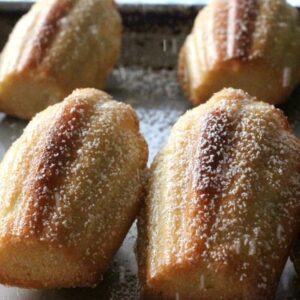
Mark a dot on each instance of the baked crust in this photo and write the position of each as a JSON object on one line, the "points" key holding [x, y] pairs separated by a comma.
{"points": [[245, 44], [60, 45], [222, 207], [70, 189]]}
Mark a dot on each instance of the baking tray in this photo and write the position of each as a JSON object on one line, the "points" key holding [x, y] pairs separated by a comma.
{"points": [[145, 78]]}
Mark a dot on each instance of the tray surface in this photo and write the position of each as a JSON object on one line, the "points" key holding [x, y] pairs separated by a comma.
{"points": [[159, 102], [151, 87]]}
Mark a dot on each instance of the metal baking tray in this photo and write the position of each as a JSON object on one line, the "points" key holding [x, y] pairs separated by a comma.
{"points": [[145, 78]]}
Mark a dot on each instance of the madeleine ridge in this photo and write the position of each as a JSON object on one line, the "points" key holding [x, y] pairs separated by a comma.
{"points": [[70, 189], [58, 46], [251, 45], [222, 207]]}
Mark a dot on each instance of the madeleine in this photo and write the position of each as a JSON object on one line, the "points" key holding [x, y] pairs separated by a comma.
{"points": [[223, 203], [245, 44], [70, 189], [60, 45]]}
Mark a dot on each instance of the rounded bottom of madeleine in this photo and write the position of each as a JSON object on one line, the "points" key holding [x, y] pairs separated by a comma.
{"points": [[37, 265]]}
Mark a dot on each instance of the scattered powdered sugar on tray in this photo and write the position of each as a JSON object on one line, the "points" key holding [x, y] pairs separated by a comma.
{"points": [[10, 130], [292, 110], [158, 100]]}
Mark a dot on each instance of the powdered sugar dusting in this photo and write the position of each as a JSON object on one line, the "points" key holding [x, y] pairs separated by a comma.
{"points": [[158, 93], [228, 35], [157, 99], [224, 193]]}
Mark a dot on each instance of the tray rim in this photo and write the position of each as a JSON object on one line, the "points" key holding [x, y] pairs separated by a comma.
{"points": [[23, 5], [12, 6]]}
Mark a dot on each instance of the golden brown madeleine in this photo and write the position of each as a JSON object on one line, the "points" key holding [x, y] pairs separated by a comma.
{"points": [[70, 189], [223, 203], [247, 44], [58, 46]]}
